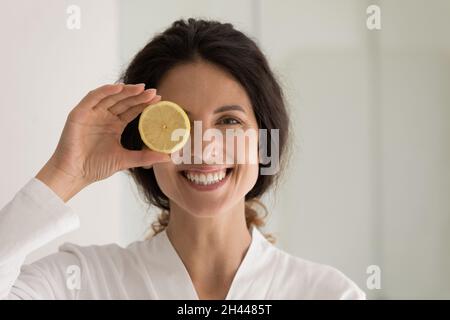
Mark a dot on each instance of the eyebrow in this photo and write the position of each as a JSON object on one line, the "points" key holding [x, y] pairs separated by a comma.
{"points": [[226, 108]]}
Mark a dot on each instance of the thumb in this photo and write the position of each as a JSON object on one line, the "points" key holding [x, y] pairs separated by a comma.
{"points": [[143, 158]]}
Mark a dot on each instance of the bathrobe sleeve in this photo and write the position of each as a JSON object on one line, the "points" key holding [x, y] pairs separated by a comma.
{"points": [[34, 217]]}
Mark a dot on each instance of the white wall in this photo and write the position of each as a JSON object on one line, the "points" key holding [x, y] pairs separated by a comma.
{"points": [[318, 48], [415, 148], [46, 70]]}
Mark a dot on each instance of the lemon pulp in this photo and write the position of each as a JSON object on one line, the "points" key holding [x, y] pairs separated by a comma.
{"points": [[157, 124]]}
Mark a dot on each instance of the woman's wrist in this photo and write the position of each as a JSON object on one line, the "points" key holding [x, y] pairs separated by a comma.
{"points": [[63, 184]]}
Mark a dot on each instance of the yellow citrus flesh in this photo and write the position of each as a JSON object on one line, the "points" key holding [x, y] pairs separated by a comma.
{"points": [[157, 123]]}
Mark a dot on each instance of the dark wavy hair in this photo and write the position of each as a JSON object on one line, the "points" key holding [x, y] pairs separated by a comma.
{"points": [[233, 51]]}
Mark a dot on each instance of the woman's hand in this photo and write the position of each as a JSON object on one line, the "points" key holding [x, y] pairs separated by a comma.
{"points": [[89, 148]]}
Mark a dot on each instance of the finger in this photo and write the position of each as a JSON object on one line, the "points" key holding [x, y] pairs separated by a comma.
{"points": [[95, 96], [127, 103], [128, 91], [141, 158], [133, 112]]}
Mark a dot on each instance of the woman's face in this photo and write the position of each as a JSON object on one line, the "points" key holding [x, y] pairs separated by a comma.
{"points": [[201, 89]]}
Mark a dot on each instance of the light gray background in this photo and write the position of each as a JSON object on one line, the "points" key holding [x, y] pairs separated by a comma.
{"points": [[369, 182]]}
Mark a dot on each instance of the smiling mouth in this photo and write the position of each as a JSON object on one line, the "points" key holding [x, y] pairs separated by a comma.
{"points": [[204, 179]]}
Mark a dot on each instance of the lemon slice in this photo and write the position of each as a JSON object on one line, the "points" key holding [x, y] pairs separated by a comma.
{"points": [[157, 123]]}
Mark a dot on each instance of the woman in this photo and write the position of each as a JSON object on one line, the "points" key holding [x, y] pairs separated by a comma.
{"points": [[207, 244]]}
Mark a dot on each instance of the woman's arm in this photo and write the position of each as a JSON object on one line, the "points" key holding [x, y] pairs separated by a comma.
{"points": [[34, 217], [89, 150]]}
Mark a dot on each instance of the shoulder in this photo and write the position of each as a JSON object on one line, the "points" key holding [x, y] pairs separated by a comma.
{"points": [[89, 258], [304, 279], [95, 270], [103, 256]]}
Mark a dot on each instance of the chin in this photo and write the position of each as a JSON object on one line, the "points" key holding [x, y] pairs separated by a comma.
{"points": [[205, 211]]}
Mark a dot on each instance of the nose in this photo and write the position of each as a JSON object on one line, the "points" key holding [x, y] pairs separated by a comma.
{"points": [[205, 144], [212, 151], [208, 146]]}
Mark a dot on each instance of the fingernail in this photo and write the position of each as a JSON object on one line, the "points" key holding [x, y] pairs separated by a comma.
{"points": [[141, 84], [151, 90], [158, 96]]}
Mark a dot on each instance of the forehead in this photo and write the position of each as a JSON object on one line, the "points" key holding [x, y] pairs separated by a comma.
{"points": [[200, 85]]}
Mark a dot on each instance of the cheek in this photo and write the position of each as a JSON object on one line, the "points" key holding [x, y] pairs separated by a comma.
{"points": [[242, 149], [246, 158], [165, 177], [247, 177]]}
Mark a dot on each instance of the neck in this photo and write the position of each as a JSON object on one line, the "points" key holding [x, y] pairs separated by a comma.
{"points": [[211, 248]]}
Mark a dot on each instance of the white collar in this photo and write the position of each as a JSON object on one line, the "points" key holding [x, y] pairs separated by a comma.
{"points": [[172, 281]]}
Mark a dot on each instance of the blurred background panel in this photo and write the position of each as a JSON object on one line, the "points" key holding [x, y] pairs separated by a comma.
{"points": [[46, 70], [369, 178], [319, 49], [414, 148]]}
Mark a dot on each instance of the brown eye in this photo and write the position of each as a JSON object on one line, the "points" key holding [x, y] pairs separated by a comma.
{"points": [[229, 121]]}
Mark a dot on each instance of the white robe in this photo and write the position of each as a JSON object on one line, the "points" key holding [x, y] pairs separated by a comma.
{"points": [[149, 269]]}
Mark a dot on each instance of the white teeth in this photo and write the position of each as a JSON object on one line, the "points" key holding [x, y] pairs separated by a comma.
{"points": [[205, 178]]}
